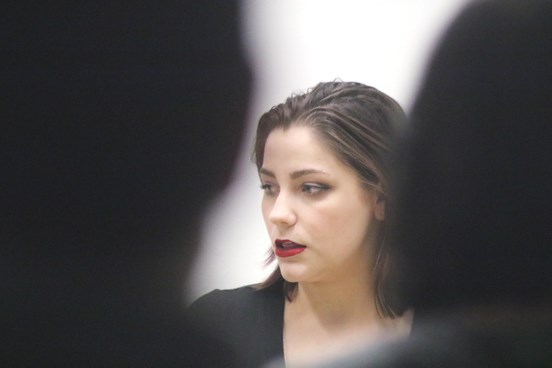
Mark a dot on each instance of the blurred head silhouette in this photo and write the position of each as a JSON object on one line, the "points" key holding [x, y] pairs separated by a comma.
{"points": [[121, 122], [475, 197]]}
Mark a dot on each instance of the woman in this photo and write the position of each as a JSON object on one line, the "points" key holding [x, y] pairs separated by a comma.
{"points": [[323, 162]]}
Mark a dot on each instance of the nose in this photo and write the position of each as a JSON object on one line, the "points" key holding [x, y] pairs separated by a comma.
{"points": [[282, 213]]}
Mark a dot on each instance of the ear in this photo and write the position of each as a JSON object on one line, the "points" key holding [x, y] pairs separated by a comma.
{"points": [[379, 207]]}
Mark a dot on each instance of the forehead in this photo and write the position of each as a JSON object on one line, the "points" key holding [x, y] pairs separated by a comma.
{"points": [[297, 148]]}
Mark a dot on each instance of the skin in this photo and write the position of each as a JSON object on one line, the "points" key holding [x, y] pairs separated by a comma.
{"points": [[314, 199]]}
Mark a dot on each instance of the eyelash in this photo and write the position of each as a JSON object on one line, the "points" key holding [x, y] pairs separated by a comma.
{"points": [[268, 189], [313, 189], [309, 189]]}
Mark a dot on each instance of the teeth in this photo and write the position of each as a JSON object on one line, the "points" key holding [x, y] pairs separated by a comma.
{"points": [[288, 245]]}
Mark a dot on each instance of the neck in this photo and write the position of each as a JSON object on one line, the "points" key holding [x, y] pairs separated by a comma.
{"points": [[337, 303], [335, 313], [325, 319]]}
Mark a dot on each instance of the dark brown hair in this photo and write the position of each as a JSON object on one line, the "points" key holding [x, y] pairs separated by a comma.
{"points": [[360, 125]]}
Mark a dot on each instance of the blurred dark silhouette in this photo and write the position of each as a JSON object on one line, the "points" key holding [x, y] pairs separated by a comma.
{"points": [[474, 197], [120, 122]]}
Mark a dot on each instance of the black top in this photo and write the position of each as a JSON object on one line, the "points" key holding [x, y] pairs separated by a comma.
{"points": [[247, 321], [462, 341]]}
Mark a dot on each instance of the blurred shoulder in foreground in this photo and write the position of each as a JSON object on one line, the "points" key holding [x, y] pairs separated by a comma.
{"points": [[120, 123]]}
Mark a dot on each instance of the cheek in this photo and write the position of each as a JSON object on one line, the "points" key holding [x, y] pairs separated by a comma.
{"points": [[348, 224], [266, 207], [328, 223]]}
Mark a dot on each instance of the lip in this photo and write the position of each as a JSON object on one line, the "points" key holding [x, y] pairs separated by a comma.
{"points": [[287, 248]]}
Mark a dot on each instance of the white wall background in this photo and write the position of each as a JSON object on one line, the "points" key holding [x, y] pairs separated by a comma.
{"points": [[293, 45]]}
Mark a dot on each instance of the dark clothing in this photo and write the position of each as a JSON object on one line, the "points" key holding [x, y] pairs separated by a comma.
{"points": [[248, 320], [462, 341]]}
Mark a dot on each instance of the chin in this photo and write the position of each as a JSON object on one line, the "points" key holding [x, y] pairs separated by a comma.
{"points": [[292, 273]]}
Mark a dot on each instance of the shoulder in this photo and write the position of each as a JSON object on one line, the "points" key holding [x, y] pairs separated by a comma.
{"points": [[455, 342], [244, 302], [227, 297], [247, 319]]}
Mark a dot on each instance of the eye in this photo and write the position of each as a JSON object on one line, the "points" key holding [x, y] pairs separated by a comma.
{"points": [[268, 189], [313, 188]]}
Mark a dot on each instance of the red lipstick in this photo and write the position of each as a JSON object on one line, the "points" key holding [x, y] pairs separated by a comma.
{"points": [[287, 248]]}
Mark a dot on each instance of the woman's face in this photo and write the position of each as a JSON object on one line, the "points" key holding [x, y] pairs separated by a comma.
{"points": [[321, 220]]}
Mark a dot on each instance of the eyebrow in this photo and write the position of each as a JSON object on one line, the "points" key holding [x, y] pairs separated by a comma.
{"points": [[295, 174]]}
